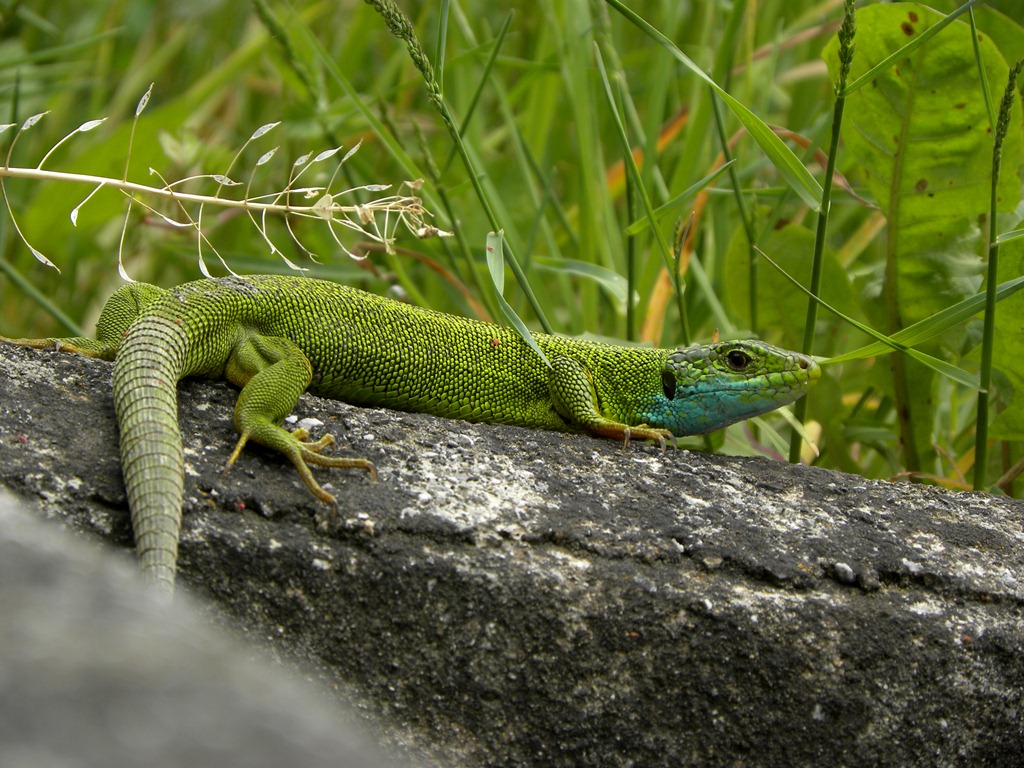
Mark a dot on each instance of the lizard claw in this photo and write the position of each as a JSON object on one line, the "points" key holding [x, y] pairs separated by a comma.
{"points": [[302, 453]]}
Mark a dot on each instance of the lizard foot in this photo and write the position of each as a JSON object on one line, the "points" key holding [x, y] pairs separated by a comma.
{"points": [[302, 435], [302, 453], [626, 433]]}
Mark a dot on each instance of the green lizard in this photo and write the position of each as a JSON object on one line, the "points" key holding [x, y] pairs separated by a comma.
{"points": [[276, 337]]}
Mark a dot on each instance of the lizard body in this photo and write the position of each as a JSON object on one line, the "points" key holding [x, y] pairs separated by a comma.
{"points": [[277, 337]]}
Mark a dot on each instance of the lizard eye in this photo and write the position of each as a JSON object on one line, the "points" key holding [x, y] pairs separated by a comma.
{"points": [[737, 360], [668, 384]]}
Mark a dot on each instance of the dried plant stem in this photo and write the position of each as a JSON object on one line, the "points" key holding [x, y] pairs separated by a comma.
{"points": [[408, 205]]}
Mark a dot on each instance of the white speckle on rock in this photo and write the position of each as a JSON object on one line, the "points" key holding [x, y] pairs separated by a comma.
{"points": [[570, 560], [472, 489], [323, 565], [460, 439], [844, 573], [925, 608], [309, 423], [912, 568]]}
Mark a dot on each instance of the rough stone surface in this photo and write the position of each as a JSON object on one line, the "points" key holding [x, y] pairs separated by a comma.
{"points": [[515, 597]]}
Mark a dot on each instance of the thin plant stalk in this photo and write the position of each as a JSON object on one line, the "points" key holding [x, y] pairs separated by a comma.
{"points": [[400, 26], [988, 335], [631, 209], [741, 206], [847, 33]]}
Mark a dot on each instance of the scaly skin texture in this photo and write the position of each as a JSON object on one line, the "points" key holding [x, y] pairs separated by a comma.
{"points": [[277, 337]]}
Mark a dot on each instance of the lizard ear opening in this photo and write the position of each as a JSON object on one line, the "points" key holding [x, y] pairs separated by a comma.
{"points": [[668, 384]]}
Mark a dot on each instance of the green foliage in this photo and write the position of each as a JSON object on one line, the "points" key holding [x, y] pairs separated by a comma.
{"points": [[1009, 348], [782, 308], [922, 135], [508, 121], [922, 132]]}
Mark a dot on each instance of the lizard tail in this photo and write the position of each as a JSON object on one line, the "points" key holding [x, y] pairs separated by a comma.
{"points": [[145, 379]]}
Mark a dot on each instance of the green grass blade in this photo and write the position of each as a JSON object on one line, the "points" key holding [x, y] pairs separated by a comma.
{"points": [[781, 156], [1006, 237], [631, 166], [40, 298], [496, 266], [394, 148], [442, 41], [939, 366], [936, 324], [484, 77], [612, 282], [662, 211], [645, 198]]}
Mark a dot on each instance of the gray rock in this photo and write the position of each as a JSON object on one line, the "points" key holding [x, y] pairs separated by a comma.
{"points": [[515, 597], [97, 671]]}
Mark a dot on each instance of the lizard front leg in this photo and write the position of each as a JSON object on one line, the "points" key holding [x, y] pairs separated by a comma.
{"points": [[574, 397], [273, 372]]}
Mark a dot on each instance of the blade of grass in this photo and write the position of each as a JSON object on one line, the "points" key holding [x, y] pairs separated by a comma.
{"points": [[400, 26], [539, 183], [847, 34], [33, 293], [781, 156], [1006, 237], [1002, 126], [940, 366], [631, 259], [484, 77], [496, 266], [935, 325], [442, 39], [391, 144], [645, 198], [741, 208], [615, 284], [662, 211]]}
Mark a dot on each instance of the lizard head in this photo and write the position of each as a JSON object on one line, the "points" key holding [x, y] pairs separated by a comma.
{"points": [[707, 387]]}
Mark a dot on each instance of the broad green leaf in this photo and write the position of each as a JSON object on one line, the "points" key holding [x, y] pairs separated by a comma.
{"points": [[922, 127], [1008, 348], [781, 308], [916, 40], [920, 133]]}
